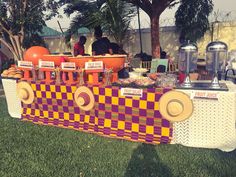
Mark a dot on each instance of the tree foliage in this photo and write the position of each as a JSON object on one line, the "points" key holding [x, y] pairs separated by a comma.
{"points": [[20, 23], [118, 16], [192, 19], [113, 16]]}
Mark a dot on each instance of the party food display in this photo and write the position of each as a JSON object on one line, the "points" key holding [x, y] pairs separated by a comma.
{"points": [[84, 93], [144, 82]]}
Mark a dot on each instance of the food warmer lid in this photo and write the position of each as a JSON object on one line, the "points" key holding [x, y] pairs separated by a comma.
{"points": [[217, 46], [188, 47]]}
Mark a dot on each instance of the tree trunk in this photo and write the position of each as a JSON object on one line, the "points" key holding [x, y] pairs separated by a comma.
{"points": [[155, 38]]}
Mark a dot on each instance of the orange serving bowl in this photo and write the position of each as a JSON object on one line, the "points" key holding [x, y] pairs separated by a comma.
{"points": [[114, 62], [57, 59], [80, 60]]}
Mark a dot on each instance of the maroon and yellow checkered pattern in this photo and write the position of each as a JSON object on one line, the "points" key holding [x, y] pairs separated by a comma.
{"points": [[131, 118]]}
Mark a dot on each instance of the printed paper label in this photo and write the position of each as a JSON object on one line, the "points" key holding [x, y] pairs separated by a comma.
{"points": [[68, 65], [93, 65], [205, 95], [25, 64], [131, 92], [46, 64]]}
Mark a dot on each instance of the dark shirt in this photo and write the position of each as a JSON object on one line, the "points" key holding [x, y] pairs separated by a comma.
{"points": [[101, 46], [161, 69]]}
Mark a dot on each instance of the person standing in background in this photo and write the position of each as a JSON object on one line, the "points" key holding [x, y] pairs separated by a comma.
{"points": [[79, 46], [102, 45]]}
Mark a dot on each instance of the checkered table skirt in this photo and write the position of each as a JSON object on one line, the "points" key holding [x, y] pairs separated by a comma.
{"points": [[130, 118]]}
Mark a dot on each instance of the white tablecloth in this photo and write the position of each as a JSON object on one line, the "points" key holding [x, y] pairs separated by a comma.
{"points": [[212, 124], [13, 101]]}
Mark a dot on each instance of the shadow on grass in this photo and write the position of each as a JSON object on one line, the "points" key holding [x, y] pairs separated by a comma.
{"points": [[146, 163]]}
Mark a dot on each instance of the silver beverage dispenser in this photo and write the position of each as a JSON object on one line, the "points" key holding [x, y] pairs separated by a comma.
{"points": [[216, 58], [187, 62]]}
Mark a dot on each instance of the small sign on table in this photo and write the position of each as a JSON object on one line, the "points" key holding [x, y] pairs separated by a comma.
{"points": [[132, 92], [95, 65], [204, 95], [68, 66], [46, 64], [25, 64]]}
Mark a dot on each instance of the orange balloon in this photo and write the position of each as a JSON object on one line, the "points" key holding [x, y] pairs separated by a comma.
{"points": [[35, 53]]}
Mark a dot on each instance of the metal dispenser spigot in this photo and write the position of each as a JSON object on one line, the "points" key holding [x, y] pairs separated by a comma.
{"points": [[216, 60], [187, 62]]}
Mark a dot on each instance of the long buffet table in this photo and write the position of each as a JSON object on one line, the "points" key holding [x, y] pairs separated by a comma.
{"points": [[212, 124]]}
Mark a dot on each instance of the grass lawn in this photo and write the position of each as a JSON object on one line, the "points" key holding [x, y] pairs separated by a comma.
{"points": [[32, 150]]}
